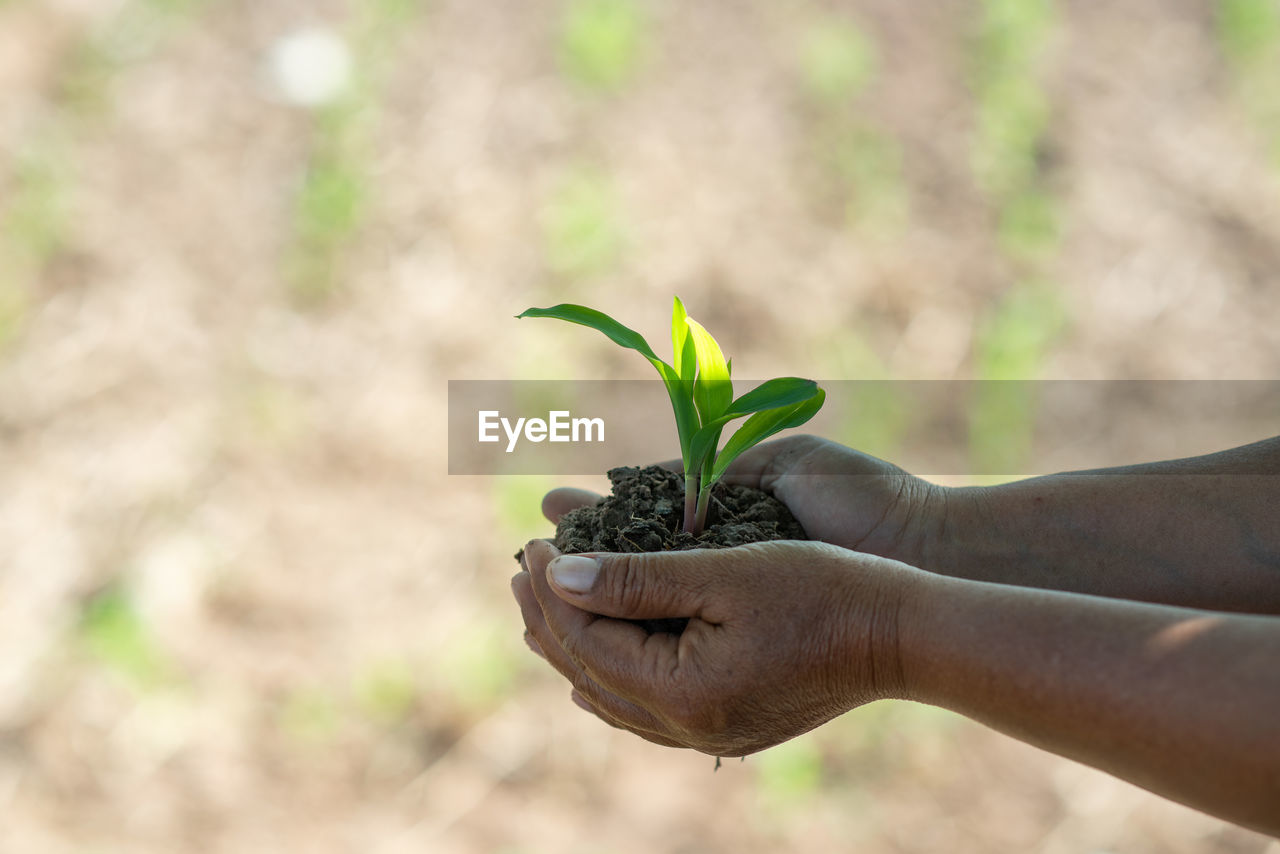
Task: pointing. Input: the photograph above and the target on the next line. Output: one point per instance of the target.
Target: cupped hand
(782, 637)
(839, 495)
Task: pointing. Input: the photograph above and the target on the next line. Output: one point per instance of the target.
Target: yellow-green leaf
(679, 391)
(684, 353)
(713, 390)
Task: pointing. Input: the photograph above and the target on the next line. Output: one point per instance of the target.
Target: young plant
(701, 390)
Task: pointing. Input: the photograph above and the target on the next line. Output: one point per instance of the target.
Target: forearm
(1183, 703)
(1199, 533)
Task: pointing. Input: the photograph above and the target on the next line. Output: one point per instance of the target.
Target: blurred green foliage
(135, 31)
(873, 418)
(1012, 111)
(836, 61)
(387, 692)
(602, 42)
(863, 737)
(312, 715)
(35, 216)
(1010, 348)
(869, 414)
(173, 7)
(14, 305)
(868, 164)
(1012, 341)
(385, 16)
(331, 201)
(112, 631)
(336, 193)
(582, 230)
(1014, 338)
(33, 228)
(1030, 228)
(519, 506)
(1248, 30)
(84, 82)
(789, 774)
(384, 694)
(478, 668)
(1249, 36)
(1011, 35)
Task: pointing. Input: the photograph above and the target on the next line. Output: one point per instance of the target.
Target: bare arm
(1183, 703)
(785, 636)
(1201, 532)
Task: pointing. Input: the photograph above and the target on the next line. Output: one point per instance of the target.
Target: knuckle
(628, 585)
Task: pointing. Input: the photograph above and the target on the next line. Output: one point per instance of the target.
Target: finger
(537, 629)
(621, 656)
(535, 625)
(560, 501)
(620, 711)
(587, 706)
(645, 585)
(533, 645)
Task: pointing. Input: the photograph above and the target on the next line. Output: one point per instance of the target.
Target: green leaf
(685, 355)
(680, 391)
(599, 321)
(713, 390)
(774, 394)
(762, 425)
(783, 391)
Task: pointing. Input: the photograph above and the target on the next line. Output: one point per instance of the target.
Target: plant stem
(690, 503)
(704, 503)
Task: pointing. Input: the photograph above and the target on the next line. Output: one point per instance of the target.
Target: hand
(839, 495)
(782, 637)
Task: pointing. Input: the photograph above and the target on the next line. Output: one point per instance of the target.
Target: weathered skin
(1124, 619)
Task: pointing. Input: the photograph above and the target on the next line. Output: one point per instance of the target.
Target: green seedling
(701, 390)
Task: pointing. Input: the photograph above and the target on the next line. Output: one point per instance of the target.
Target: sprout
(701, 391)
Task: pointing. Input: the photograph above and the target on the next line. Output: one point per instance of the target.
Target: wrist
(887, 599)
(959, 530)
(922, 639)
(910, 530)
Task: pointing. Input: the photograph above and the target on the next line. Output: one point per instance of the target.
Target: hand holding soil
(1133, 623)
(838, 495)
(782, 637)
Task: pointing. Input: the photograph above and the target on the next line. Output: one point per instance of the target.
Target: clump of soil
(645, 512)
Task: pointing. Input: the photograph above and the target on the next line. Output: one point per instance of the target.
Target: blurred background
(244, 244)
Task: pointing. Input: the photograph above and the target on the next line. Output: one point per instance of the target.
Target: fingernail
(574, 573)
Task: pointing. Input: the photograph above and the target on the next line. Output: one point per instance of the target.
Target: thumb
(643, 586)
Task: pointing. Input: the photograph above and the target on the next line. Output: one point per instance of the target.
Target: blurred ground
(246, 242)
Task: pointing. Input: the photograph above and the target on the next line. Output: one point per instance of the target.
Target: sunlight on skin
(1173, 638)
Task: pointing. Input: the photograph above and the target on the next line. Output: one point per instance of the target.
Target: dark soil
(645, 512)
